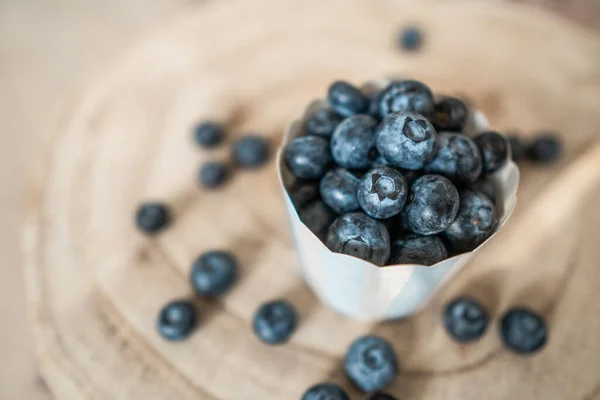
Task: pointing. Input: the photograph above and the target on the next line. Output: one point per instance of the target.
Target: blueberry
(465, 320)
(208, 134)
(406, 96)
(213, 174)
(373, 109)
(433, 207)
(518, 147)
(302, 192)
(485, 186)
(308, 157)
(416, 249)
(546, 148)
(152, 218)
(371, 363)
(353, 142)
(325, 391)
(382, 396)
(380, 162)
(176, 320)
(457, 158)
(251, 151)
(475, 222)
(317, 217)
(359, 235)
(346, 100)
(338, 190)
(406, 140)
(213, 273)
(411, 38)
(450, 114)
(275, 321)
(494, 151)
(523, 331)
(382, 192)
(323, 123)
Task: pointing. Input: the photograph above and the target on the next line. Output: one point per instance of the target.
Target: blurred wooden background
(46, 48)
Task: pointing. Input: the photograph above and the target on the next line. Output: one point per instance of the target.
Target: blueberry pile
(392, 177)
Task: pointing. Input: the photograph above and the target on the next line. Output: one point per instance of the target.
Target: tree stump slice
(96, 285)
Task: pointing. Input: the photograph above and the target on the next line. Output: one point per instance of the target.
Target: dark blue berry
(209, 134)
(485, 186)
(358, 235)
(302, 192)
(317, 217)
(450, 114)
(338, 191)
(406, 140)
(371, 363)
(346, 100)
(406, 96)
(518, 147)
(433, 205)
(382, 396)
(523, 331)
(152, 218)
(251, 151)
(373, 109)
(411, 38)
(308, 157)
(465, 320)
(325, 391)
(380, 162)
(353, 142)
(275, 321)
(546, 148)
(382, 192)
(494, 151)
(475, 222)
(416, 249)
(176, 320)
(213, 273)
(457, 158)
(213, 174)
(323, 123)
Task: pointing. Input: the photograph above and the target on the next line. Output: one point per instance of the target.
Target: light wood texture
(96, 285)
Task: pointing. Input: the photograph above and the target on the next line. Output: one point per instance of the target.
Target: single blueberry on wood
(346, 100)
(518, 147)
(308, 157)
(213, 273)
(317, 216)
(411, 38)
(450, 114)
(338, 191)
(323, 122)
(457, 158)
(406, 96)
(152, 218)
(494, 151)
(213, 174)
(209, 134)
(353, 142)
(523, 331)
(382, 192)
(546, 148)
(251, 151)
(465, 320)
(176, 320)
(275, 321)
(416, 249)
(371, 363)
(325, 391)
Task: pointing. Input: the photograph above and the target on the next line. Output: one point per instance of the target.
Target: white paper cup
(365, 291)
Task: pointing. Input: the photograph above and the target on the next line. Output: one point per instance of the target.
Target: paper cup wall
(363, 290)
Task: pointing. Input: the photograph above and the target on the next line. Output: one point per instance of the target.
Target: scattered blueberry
(251, 151)
(411, 38)
(485, 186)
(475, 222)
(523, 331)
(308, 157)
(416, 249)
(382, 192)
(275, 321)
(406, 96)
(518, 147)
(353, 142)
(546, 148)
(346, 99)
(302, 192)
(317, 217)
(494, 151)
(359, 235)
(209, 134)
(457, 158)
(382, 396)
(433, 205)
(323, 123)
(338, 191)
(213, 174)
(213, 273)
(371, 363)
(325, 391)
(465, 320)
(450, 115)
(176, 320)
(152, 218)
(406, 140)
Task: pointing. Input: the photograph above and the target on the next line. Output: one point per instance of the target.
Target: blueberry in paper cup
(353, 272)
